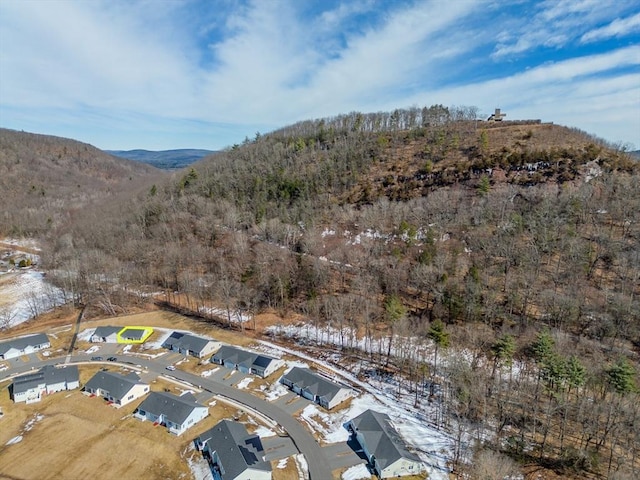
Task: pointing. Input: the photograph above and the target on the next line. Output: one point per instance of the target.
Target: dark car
(112, 359)
(96, 359)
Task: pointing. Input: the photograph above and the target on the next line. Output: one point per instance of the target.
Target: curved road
(319, 468)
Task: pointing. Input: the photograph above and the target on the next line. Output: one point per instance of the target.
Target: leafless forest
(492, 268)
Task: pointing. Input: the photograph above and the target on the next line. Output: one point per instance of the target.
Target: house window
(130, 397)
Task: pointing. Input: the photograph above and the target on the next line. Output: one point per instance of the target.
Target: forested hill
(165, 159)
(44, 179)
(508, 241)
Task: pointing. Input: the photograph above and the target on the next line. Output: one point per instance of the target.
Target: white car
(170, 368)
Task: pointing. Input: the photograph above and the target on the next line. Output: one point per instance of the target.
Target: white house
(177, 413)
(383, 446)
(49, 379)
(234, 454)
(106, 334)
(117, 389)
(246, 361)
(23, 346)
(188, 344)
(315, 387)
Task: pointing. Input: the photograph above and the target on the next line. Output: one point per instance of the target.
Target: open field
(77, 436)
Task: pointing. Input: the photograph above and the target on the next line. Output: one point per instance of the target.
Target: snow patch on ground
(276, 390)
(282, 463)
(14, 440)
(92, 349)
(235, 317)
(244, 383)
(24, 294)
(208, 373)
(356, 472)
(198, 465)
(263, 431)
(303, 466)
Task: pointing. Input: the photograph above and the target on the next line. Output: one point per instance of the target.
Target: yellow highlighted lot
(134, 334)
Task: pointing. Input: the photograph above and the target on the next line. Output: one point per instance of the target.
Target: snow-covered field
(25, 294)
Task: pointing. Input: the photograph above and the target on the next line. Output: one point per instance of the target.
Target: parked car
(96, 359)
(170, 368)
(112, 359)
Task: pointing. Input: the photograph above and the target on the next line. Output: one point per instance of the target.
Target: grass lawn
(76, 436)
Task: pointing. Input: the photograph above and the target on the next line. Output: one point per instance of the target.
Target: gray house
(188, 344)
(23, 346)
(315, 387)
(385, 449)
(49, 379)
(117, 389)
(177, 413)
(107, 334)
(233, 453)
(246, 361)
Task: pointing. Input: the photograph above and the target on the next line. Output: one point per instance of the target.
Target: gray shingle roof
(48, 375)
(314, 383)
(106, 331)
(381, 438)
(23, 342)
(174, 408)
(242, 357)
(117, 385)
(186, 341)
(134, 333)
(236, 449)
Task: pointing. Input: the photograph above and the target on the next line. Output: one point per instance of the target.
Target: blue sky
(162, 74)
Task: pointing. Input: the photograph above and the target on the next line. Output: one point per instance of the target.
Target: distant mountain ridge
(165, 159)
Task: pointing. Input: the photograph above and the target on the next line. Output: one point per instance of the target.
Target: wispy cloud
(214, 71)
(618, 28)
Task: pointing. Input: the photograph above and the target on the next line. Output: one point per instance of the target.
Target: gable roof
(117, 385)
(243, 357)
(381, 438)
(133, 333)
(106, 331)
(23, 342)
(47, 375)
(236, 448)
(186, 341)
(175, 408)
(312, 382)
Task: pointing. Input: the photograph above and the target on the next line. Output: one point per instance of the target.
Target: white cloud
(143, 65)
(618, 28)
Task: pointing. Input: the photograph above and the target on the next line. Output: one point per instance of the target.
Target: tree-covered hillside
(45, 179)
(516, 242)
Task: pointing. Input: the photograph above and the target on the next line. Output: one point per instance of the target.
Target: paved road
(319, 465)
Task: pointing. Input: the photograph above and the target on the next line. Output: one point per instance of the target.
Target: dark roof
(117, 385)
(175, 408)
(186, 341)
(314, 383)
(106, 331)
(133, 333)
(47, 375)
(242, 357)
(381, 438)
(236, 449)
(23, 342)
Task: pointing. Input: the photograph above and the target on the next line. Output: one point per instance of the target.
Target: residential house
(233, 453)
(117, 389)
(383, 446)
(189, 344)
(106, 334)
(23, 346)
(315, 387)
(177, 413)
(246, 361)
(31, 387)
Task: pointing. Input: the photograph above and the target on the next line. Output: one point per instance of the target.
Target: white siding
(401, 467)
